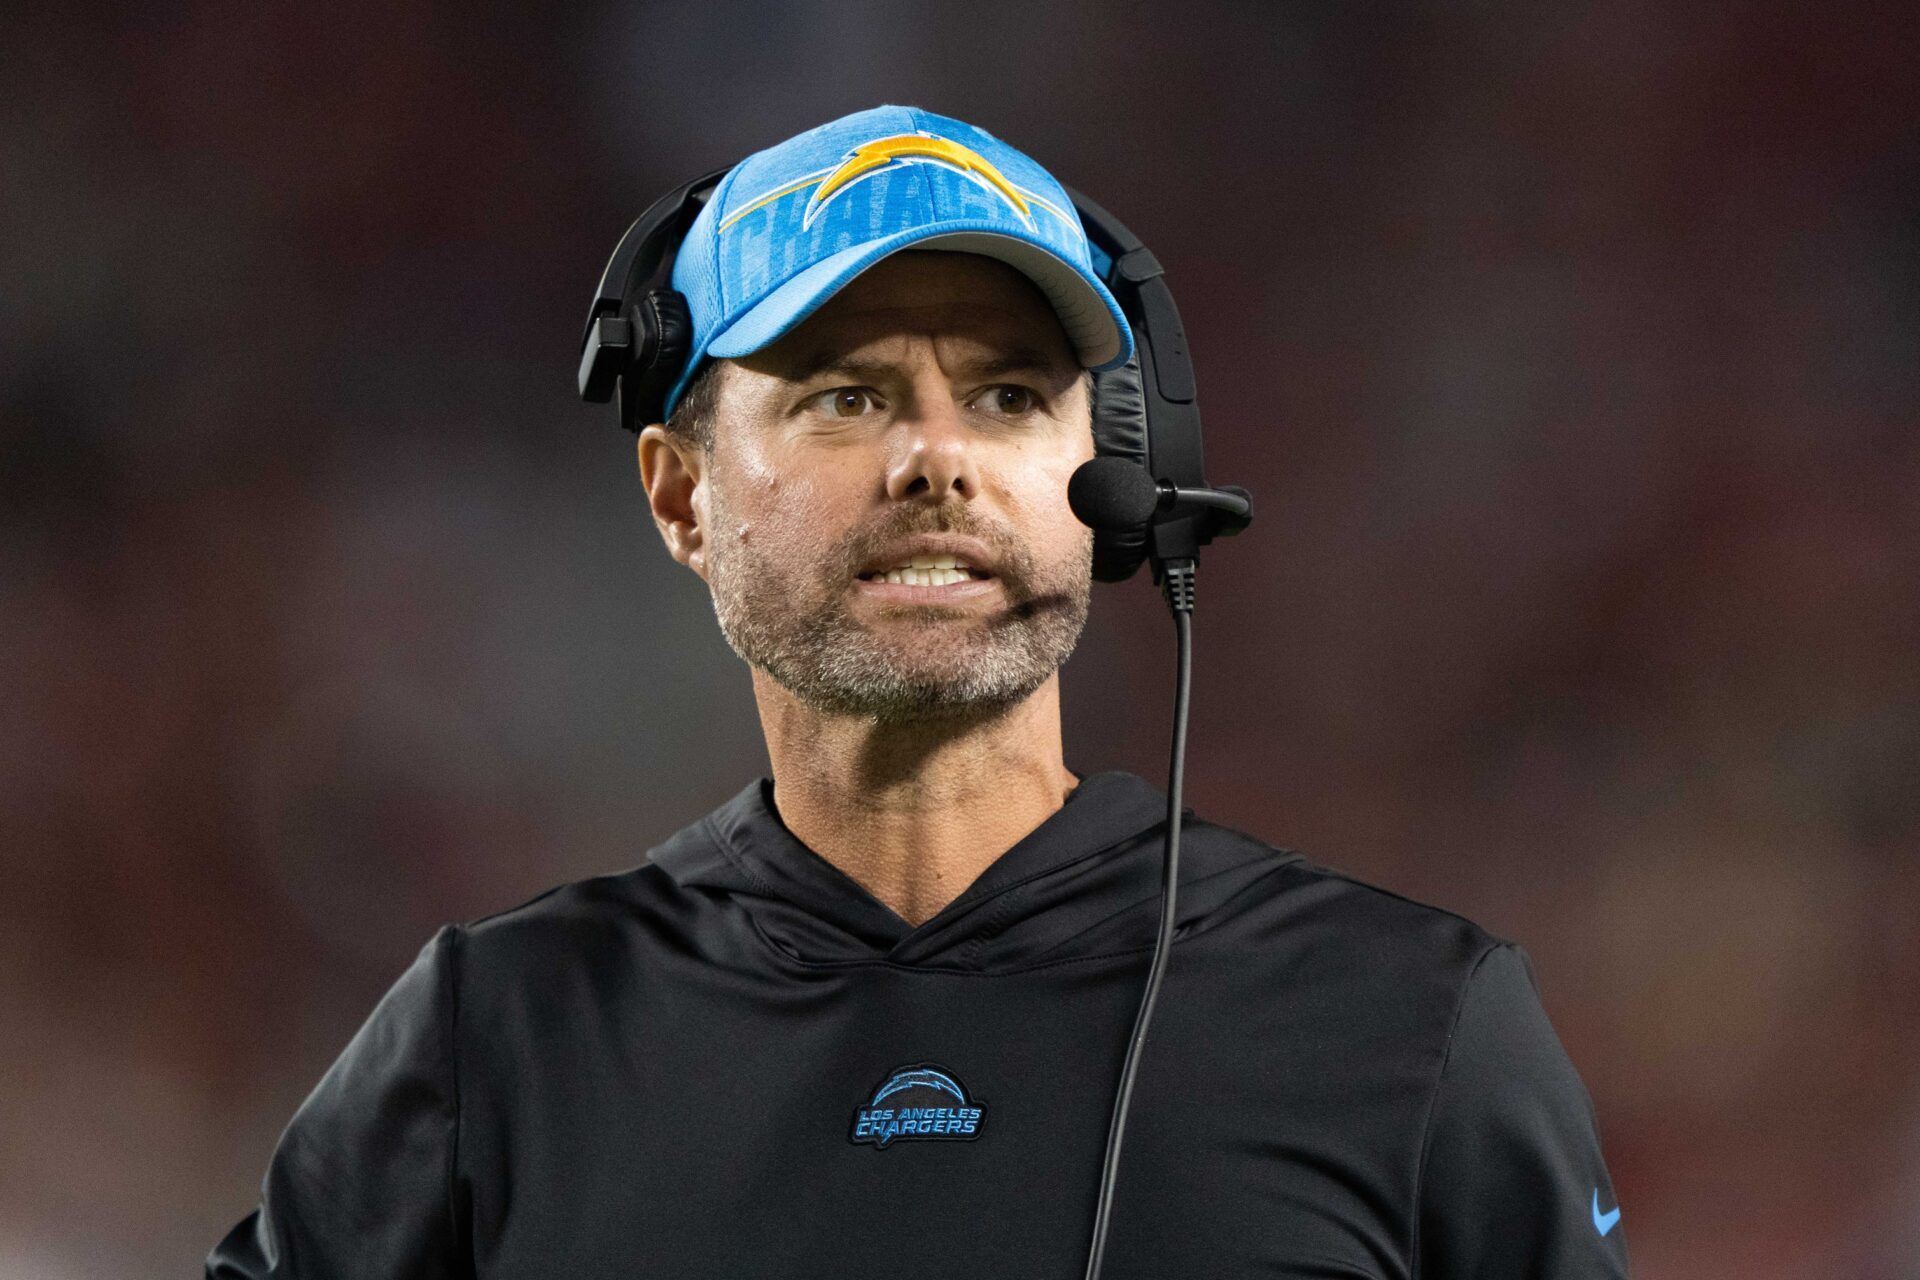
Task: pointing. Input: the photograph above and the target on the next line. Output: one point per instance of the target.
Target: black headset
(639, 332)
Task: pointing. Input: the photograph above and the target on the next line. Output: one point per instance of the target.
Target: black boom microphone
(1119, 496)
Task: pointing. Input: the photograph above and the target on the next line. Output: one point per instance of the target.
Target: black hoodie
(734, 1062)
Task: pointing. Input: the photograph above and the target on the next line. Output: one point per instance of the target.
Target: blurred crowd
(1568, 350)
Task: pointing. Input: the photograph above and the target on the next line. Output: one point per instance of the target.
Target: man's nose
(935, 450)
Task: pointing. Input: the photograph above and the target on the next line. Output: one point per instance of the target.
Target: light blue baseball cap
(788, 226)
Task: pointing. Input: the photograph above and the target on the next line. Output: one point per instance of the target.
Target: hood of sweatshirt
(1085, 882)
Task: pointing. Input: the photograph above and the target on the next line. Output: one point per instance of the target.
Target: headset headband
(611, 350)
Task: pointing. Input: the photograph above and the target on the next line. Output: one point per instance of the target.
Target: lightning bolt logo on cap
(914, 148)
(869, 158)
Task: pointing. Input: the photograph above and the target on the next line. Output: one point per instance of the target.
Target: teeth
(929, 577)
(928, 571)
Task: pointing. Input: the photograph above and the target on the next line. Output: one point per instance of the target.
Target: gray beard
(934, 665)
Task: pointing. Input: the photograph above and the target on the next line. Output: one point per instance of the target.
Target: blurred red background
(1569, 350)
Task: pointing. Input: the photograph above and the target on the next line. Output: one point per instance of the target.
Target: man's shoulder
(577, 913)
(592, 917)
(1351, 918)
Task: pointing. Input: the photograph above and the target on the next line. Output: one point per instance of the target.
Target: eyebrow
(1011, 360)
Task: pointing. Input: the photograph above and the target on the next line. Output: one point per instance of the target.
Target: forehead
(973, 305)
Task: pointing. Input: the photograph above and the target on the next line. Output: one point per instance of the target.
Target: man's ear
(673, 472)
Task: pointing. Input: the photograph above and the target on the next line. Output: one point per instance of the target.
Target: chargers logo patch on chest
(922, 1101)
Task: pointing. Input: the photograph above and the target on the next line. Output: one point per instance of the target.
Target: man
(866, 1019)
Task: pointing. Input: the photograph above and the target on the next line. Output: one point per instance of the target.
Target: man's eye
(1009, 398)
(844, 402)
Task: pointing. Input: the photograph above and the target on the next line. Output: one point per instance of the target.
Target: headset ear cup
(663, 331)
(1120, 431)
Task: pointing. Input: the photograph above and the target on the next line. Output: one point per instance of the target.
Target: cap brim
(1092, 319)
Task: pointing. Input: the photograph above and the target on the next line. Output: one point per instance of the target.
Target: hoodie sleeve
(360, 1182)
(1513, 1185)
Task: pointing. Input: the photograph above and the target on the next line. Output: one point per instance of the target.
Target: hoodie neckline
(762, 855)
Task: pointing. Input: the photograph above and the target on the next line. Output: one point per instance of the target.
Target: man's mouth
(928, 571)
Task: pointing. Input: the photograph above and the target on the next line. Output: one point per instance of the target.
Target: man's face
(936, 394)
